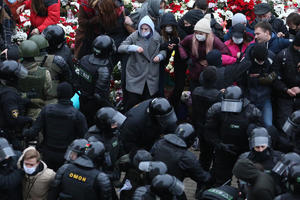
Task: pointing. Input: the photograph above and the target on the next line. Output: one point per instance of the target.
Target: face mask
(28, 170)
(265, 19)
(259, 62)
(200, 38)
(261, 156)
(145, 34)
(237, 40)
(161, 11)
(12, 1)
(169, 29)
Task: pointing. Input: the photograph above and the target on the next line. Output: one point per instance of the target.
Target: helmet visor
(230, 105)
(118, 119)
(289, 127)
(177, 187)
(259, 141)
(5, 153)
(167, 121)
(280, 168)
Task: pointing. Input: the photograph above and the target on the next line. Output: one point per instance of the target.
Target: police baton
(226, 183)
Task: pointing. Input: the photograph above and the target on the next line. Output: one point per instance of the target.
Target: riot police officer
(164, 186)
(38, 79)
(55, 36)
(146, 122)
(223, 192)
(10, 176)
(226, 129)
(81, 179)
(292, 129)
(59, 69)
(60, 124)
(12, 105)
(75, 149)
(261, 150)
(293, 184)
(106, 130)
(93, 74)
(182, 163)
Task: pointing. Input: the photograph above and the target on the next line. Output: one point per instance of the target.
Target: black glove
(229, 148)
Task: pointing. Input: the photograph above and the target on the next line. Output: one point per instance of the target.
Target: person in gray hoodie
(142, 69)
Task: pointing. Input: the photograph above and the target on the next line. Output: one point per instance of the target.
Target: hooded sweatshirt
(262, 185)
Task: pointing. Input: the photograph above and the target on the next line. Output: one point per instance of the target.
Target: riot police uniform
(226, 128)
(75, 149)
(60, 124)
(292, 129)
(106, 130)
(93, 77)
(146, 122)
(81, 180)
(12, 106)
(59, 69)
(267, 158)
(182, 163)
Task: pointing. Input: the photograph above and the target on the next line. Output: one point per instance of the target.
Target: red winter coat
(42, 22)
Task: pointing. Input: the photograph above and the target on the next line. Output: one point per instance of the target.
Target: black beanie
(214, 58)
(209, 76)
(259, 52)
(13, 53)
(297, 39)
(64, 91)
(193, 16)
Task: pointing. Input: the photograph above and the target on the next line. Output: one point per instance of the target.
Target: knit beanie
(259, 52)
(203, 25)
(209, 76)
(238, 18)
(297, 39)
(64, 91)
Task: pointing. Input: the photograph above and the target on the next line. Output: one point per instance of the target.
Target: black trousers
(133, 98)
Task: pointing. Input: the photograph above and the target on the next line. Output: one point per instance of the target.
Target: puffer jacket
(36, 187)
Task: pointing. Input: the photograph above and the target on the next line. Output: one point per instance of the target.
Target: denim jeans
(266, 109)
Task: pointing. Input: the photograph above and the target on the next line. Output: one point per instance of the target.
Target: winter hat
(168, 19)
(238, 18)
(259, 52)
(209, 76)
(238, 30)
(262, 8)
(193, 16)
(203, 25)
(64, 91)
(13, 53)
(297, 39)
(214, 58)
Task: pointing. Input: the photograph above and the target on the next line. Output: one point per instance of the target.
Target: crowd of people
(61, 136)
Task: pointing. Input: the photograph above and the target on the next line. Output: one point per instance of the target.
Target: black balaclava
(214, 58)
(64, 91)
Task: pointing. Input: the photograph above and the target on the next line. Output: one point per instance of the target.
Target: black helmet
(103, 46)
(232, 100)
(55, 36)
(292, 124)
(161, 110)
(5, 150)
(11, 70)
(154, 168)
(166, 183)
(77, 146)
(143, 193)
(186, 132)
(259, 137)
(94, 150)
(106, 117)
(294, 179)
(220, 193)
(141, 155)
(286, 161)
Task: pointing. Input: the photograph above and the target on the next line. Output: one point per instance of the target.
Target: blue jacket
(276, 44)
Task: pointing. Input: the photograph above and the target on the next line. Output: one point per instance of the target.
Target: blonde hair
(32, 153)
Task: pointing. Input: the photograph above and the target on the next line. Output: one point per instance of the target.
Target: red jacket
(42, 22)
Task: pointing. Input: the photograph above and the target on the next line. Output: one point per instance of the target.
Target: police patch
(15, 113)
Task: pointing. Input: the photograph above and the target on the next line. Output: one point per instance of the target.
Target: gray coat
(140, 68)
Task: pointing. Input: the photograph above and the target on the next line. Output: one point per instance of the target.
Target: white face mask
(200, 38)
(169, 29)
(28, 170)
(145, 34)
(237, 40)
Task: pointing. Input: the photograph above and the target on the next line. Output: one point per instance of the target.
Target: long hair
(39, 7)
(208, 44)
(107, 13)
(166, 36)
